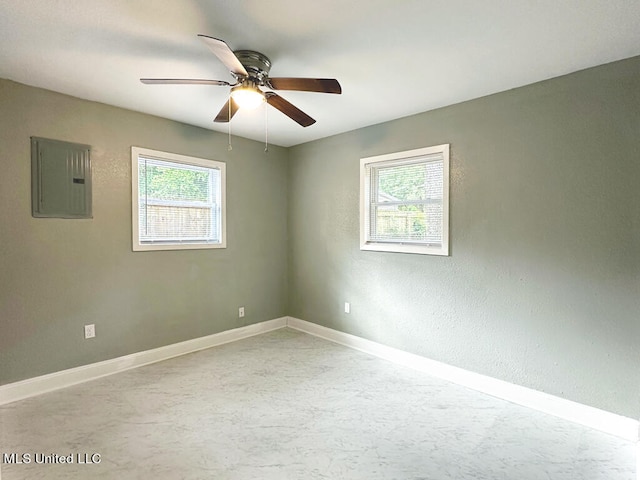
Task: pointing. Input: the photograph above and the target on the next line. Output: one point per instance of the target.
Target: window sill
(406, 248)
(176, 246)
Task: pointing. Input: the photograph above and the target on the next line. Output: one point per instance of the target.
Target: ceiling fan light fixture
(247, 97)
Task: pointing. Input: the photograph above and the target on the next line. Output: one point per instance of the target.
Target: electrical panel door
(61, 179)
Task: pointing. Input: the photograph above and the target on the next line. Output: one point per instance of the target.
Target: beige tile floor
(286, 405)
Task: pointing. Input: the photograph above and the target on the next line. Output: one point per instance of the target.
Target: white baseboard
(601, 420)
(65, 378)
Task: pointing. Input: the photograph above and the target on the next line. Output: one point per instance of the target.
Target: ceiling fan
(251, 72)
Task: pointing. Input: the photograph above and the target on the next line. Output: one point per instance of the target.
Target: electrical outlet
(347, 307)
(241, 312)
(89, 331)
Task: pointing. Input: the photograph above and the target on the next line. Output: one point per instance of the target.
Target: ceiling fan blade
(227, 112)
(221, 50)
(323, 85)
(290, 110)
(182, 81)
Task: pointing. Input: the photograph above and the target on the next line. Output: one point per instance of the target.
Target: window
(178, 201)
(404, 201)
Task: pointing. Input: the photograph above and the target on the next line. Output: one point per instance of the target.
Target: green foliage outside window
(403, 183)
(164, 183)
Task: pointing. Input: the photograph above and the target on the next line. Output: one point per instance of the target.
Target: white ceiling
(393, 58)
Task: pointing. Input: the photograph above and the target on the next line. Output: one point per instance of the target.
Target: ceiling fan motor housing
(256, 64)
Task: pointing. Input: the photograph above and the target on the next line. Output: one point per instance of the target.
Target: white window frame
(137, 152)
(365, 203)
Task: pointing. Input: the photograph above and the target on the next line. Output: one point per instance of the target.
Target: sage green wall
(57, 275)
(542, 287)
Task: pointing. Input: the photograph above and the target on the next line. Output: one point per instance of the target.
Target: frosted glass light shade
(247, 97)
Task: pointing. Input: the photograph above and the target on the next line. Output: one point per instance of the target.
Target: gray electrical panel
(60, 179)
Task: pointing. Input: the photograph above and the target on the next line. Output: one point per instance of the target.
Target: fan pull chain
(266, 128)
(229, 148)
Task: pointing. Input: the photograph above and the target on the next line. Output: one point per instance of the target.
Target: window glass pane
(177, 202)
(164, 222)
(411, 223)
(417, 181)
(172, 181)
(402, 182)
(407, 203)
